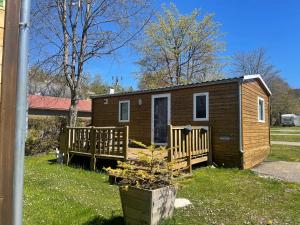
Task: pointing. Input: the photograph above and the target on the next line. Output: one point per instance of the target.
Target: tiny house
(235, 109)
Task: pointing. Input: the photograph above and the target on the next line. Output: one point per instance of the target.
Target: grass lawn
(285, 153)
(290, 138)
(57, 194)
(285, 128)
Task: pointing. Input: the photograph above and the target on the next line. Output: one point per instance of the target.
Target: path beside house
(288, 171)
(285, 143)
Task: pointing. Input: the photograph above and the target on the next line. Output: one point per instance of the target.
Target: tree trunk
(73, 111)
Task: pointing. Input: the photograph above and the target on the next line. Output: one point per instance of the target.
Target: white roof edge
(258, 76)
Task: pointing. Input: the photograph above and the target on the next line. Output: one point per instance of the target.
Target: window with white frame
(261, 109)
(124, 111)
(201, 106)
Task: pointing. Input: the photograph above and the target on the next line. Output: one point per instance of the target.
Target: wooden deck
(95, 142)
(187, 145)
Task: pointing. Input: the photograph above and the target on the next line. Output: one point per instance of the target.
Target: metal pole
(21, 112)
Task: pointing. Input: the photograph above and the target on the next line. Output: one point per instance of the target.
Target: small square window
(201, 107)
(124, 111)
(261, 109)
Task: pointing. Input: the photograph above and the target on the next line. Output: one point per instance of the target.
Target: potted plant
(146, 188)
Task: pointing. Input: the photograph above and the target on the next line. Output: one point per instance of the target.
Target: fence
(189, 145)
(95, 142)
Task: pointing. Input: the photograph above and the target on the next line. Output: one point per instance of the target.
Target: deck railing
(189, 145)
(95, 142)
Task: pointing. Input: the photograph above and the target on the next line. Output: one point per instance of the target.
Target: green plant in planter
(147, 187)
(149, 171)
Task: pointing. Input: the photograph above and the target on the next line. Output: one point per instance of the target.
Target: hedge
(43, 133)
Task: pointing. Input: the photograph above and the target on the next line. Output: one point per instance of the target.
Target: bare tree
(69, 33)
(254, 62)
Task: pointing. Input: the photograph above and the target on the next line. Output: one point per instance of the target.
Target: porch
(187, 145)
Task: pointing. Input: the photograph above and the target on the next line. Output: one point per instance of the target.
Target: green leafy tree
(179, 49)
(97, 86)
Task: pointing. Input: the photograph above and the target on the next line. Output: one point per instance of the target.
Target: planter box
(147, 207)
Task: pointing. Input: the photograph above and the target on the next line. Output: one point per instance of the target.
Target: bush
(149, 171)
(43, 133)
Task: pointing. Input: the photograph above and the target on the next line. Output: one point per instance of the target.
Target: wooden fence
(95, 142)
(189, 145)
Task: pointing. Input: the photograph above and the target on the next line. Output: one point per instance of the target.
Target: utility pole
(13, 110)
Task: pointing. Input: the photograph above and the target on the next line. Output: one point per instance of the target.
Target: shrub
(149, 171)
(43, 133)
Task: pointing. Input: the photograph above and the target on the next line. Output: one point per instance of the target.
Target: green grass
(285, 128)
(289, 138)
(285, 153)
(57, 194)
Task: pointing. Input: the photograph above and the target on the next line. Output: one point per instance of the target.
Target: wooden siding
(8, 108)
(223, 117)
(2, 18)
(256, 136)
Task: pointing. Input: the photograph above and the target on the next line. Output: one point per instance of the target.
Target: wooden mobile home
(235, 109)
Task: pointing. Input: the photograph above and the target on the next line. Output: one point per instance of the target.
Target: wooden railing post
(66, 135)
(93, 148)
(170, 143)
(62, 140)
(126, 141)
(209, 156)
(189, 147)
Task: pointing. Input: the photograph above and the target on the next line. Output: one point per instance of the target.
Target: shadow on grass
(52, 161)
(98, 220)
(83, 162)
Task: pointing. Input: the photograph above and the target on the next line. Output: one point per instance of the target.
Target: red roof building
(55, 106)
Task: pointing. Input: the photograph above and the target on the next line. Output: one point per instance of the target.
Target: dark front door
(160, 120)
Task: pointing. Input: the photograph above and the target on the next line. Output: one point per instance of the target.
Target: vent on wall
(225, 138)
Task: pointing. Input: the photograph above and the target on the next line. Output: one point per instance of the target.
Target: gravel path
(288, 171)
(285, 143)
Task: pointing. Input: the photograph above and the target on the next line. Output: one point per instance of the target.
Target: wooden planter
(147, 207)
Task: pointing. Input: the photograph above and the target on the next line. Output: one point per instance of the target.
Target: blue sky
(247, 24)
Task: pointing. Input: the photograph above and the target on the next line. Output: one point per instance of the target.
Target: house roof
(182, 86)
(257, 76)
(55, 103)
